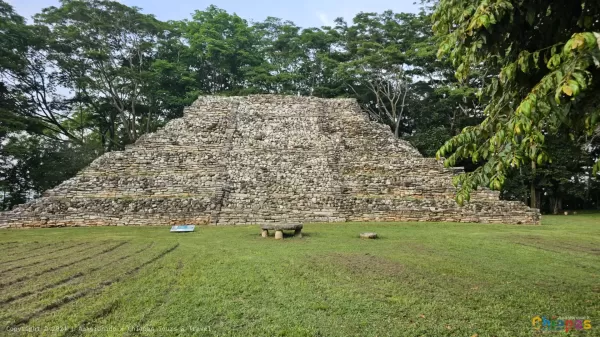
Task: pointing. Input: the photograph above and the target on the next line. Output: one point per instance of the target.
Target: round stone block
(278, 235)
(280, 227)
(368, 235)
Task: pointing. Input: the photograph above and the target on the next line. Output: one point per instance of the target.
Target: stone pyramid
(263, 158)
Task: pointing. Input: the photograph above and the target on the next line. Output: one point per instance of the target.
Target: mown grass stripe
(70, 278)
(44, 253)
(24, 278)
(9, 245)
(90, 322)
(67, 299)
(48, 259)
(12, 253)
(154, 259)
(46, 287)
(163, 299)
(546, 249)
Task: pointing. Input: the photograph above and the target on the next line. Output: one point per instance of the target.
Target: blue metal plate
(184, 228)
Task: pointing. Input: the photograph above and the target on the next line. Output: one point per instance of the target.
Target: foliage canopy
(541, 59)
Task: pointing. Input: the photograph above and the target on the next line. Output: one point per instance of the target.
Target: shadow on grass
(287, 235)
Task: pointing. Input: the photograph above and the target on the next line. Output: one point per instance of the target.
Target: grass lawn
(418, 279)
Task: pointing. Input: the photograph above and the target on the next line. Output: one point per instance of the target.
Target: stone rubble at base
(262, 159)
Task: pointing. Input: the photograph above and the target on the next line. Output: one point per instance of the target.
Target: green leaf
(540, 159)
(497, 185)
(530, 17)
(460, 200)
(554, 62)
(536, 59)
(567, 90)
(525, 108)
(574, 85)
(577, 42)
(587, 22)
(484, 20)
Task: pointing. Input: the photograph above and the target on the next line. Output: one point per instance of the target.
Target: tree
(103, 51)
(29, 99)
(562, 183)
(375, 69)
(96, 51)
(32, 164)
(543, 58)
(438, 105)
(389, 87)
(224, 48)
(284, 55)
(297, 61)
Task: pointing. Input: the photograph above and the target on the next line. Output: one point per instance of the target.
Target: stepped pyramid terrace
(262, 159)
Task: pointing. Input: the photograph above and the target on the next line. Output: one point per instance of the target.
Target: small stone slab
(281, 227)
(368, 235)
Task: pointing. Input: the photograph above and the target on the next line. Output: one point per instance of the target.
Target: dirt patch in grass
(366, 264)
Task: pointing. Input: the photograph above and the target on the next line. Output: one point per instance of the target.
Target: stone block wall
(263, 158)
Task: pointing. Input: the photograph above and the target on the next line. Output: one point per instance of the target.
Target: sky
(304, 13)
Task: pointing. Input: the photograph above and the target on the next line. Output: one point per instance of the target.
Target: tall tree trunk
(112, 133)
(397, 127)
(560, 204)
(588, 189)
(532, 192)
(556, 205)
